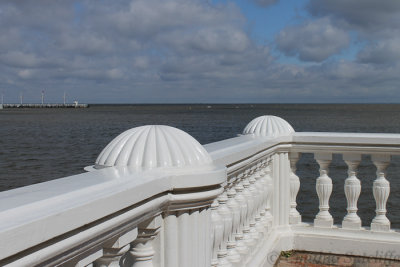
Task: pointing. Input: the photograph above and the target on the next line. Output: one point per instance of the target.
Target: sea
(38, 145)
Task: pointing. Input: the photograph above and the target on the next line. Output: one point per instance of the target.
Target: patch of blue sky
(78, 12)
(264, 23)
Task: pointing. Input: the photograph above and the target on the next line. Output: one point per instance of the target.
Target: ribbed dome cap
(269, 126)
(153, 146)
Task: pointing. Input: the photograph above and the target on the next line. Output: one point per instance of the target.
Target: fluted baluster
(294, 215)
(324, 190)
(114, 250)
(381, 190)
(233, 254)
(217, 233)
(241, 200)
(352, 189)
(142, 251)
(226, 215)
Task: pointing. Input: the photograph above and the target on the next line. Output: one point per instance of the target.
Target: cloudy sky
(218, 51)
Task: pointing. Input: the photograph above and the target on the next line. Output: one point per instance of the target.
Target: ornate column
(294, 215)
(226, 216)
(262, 187)
(253, 215)
(217, 232)
(268, 197)
(352, 189)
(247, 238)
(381, 190)
(241, 200)
(260, 209)
(142, 251)
(115, 249)
(324, 190)
(233, 255)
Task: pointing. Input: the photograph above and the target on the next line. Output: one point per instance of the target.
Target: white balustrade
(241, 247)
(324, 190)
(233, 254)
(269, 193)
(217, 233)
(142, 250)
(295, 216)
(381, 190)
(156, 197)
(115, 249)
(352, 189)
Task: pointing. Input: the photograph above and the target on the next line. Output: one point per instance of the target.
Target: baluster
(217, 233)
(260, 211)
(381, 190)
(324, 190)
(115, 249)
(268, 197)
(233, 255)
(253, 215)
(247, 238)
(142, 251)
(241, 200)
(262, 183)
(294, 215)
(226, 215)
(352, 189)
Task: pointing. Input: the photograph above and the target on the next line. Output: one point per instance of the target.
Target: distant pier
(73, 105)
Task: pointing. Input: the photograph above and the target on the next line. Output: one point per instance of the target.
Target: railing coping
(52, 208)
(347, 138)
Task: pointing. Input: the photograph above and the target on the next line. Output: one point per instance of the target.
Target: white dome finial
(268, 126)
(153, 146)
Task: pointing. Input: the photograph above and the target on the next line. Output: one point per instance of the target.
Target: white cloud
(314, 40)
(25, 74)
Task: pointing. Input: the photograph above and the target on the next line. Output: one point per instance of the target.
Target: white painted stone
(324, 190)
(352, 189)
(295, 216)
(381, 191)
(153, 146)
(268, 126)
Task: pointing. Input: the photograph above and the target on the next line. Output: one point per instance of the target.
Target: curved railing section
(156, 197)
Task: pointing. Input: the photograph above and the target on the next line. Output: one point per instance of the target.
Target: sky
(199, 51)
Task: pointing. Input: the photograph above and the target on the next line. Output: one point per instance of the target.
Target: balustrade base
(295, 219)
(323, 223)
(378, 227)
(351, 225)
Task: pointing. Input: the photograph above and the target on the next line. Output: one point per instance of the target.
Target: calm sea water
(38, 145)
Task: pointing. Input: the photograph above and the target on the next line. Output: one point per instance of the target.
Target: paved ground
(307, 259)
